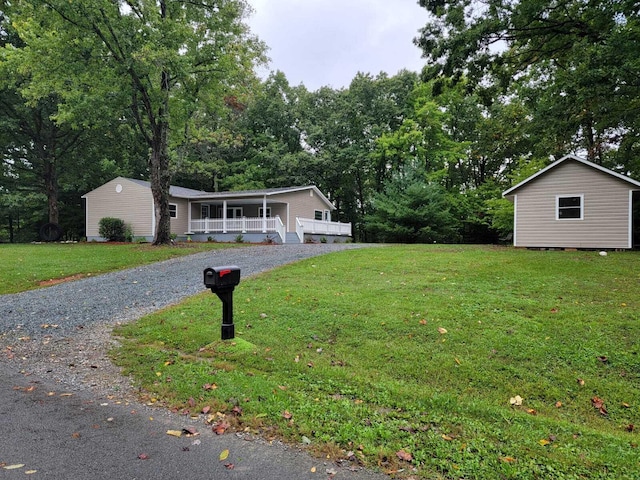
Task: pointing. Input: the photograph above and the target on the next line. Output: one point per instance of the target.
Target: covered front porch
(260, 220)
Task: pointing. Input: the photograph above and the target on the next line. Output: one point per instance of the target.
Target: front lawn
(29, 266)
(425, 361)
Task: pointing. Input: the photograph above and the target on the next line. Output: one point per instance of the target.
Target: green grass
(26, 266)
(353, 346)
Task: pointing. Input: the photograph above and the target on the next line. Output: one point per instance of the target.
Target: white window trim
(175, 205)
(579, 195)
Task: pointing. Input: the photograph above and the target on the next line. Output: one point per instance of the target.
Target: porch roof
(245, 196)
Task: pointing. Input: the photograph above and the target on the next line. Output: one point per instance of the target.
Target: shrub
(113, 229)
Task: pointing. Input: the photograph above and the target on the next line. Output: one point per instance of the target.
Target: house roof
(566, 158)
(191, 194)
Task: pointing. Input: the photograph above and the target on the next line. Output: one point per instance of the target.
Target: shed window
(173, 210)
(569, 207)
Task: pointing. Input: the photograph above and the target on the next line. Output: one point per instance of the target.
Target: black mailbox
(221, 278)
(222, 281)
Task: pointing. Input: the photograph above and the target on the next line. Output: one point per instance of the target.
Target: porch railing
(240, 225)
(321, 227)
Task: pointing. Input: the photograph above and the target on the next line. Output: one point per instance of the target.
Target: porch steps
(292, 237)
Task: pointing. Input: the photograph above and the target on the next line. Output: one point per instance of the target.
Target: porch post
(224, 216)
(264, 214)
(189, 215)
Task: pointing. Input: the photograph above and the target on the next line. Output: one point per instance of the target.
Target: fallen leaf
(224, 454)
(30, 472)
(508, 459)
(447, 437)
(331, 471)
(404, 455)
(190, 431)
(14, 467)
(282, 387)
(531, 411)
(603, 358)
(220, 427)
(313, 469)
(206, 409)
(174, 433)
(286, 414)
(626, 405)
(581, 382)
(143, 456)
(75, 435)
(630, 427)
(457, 361)
(229, 466)
(442, 330)
(598, 404)
(558, 404)
(544, 442)
(423, 322)
(237, 411)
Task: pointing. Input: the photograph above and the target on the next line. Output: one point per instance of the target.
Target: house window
(318, 215)
(204, 211)
(260, 211)
(173, 210)
(569, 207)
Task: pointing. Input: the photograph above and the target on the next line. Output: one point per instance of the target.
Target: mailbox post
(222, 281)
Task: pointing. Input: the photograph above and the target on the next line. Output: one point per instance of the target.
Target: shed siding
(133, 204)
(605, 209)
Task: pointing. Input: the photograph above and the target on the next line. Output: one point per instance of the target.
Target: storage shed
(574, 203)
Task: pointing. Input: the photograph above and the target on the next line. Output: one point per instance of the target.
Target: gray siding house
(279, 215)
(574, 203)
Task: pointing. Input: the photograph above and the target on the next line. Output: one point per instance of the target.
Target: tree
(160, 60)
(411, 209)
(573, 63)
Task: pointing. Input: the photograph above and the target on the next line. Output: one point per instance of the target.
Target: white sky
(326, 42)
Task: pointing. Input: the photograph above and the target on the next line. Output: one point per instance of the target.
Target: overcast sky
(326, 42)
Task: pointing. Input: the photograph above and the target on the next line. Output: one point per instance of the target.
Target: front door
(232, 212)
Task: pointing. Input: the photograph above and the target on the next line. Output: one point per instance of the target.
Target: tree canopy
(164, 90)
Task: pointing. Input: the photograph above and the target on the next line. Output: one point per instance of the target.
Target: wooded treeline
(168, 90)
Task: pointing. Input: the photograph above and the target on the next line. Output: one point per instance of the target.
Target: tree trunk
(159, 161)
(51, 189)
(160, 183)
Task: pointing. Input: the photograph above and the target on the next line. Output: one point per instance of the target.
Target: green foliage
(419, 348)
(412, 210)
(113, 229)
(571, 65)
(164, 65)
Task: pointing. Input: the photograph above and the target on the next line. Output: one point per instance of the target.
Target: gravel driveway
(129, 294)
(63, 333)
